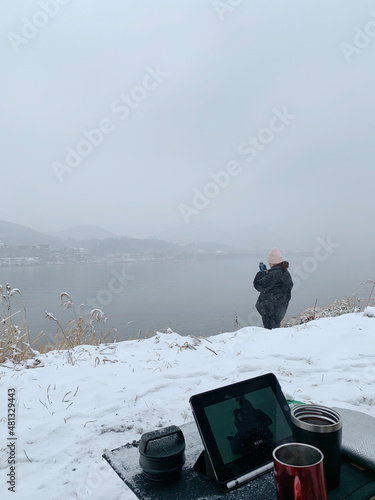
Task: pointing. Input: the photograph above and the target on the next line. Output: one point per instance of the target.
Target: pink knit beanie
(274, 257)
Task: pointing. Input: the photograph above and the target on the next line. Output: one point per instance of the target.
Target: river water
(192, 297)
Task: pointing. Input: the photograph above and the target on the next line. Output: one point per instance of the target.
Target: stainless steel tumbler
(321, 427)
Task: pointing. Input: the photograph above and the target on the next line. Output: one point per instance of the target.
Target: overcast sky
(279, 95)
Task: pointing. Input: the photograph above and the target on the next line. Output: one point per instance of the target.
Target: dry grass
(339, 307)
(15, 344)
(15, 338)
(147, 335)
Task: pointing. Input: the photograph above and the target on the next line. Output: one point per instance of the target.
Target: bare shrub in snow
(79, 330)
(339, 307)
(15, 337)
(15, 344)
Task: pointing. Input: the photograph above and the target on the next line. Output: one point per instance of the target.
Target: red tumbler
(299, 472)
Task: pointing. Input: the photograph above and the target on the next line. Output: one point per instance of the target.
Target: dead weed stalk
(15, 344)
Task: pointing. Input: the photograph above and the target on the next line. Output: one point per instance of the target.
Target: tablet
(240, 425)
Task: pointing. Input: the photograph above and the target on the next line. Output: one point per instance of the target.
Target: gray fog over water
(196, 297)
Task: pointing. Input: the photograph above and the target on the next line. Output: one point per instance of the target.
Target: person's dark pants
(274, 319)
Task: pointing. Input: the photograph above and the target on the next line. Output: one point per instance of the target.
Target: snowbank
(68, 415)
(369, 311)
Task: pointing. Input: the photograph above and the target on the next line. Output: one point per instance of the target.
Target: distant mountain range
(196, 237)
(199, 236)
(100, 242)
(15, 235)
(81, 233)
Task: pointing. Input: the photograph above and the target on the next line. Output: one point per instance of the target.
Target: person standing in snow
(275, 287)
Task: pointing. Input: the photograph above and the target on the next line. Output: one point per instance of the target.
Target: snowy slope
(68, 414)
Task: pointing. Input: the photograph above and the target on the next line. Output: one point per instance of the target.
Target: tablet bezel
(228, 473)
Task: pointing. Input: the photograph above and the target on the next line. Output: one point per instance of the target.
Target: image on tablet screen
(248, 426)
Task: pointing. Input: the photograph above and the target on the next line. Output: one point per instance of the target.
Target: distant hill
(81, 233)
(15, 234)
(155, 247)
(100, 242)
(248, 238)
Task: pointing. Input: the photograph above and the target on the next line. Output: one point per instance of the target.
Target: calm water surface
(196, 297)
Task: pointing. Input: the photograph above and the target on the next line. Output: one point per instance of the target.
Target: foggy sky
(181, 87)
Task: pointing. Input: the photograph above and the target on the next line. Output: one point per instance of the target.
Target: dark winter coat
(275, 291)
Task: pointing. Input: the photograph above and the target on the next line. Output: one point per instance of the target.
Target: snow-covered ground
(68, 414)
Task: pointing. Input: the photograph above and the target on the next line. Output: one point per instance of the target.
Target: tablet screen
(247, 424)
(241, 424)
